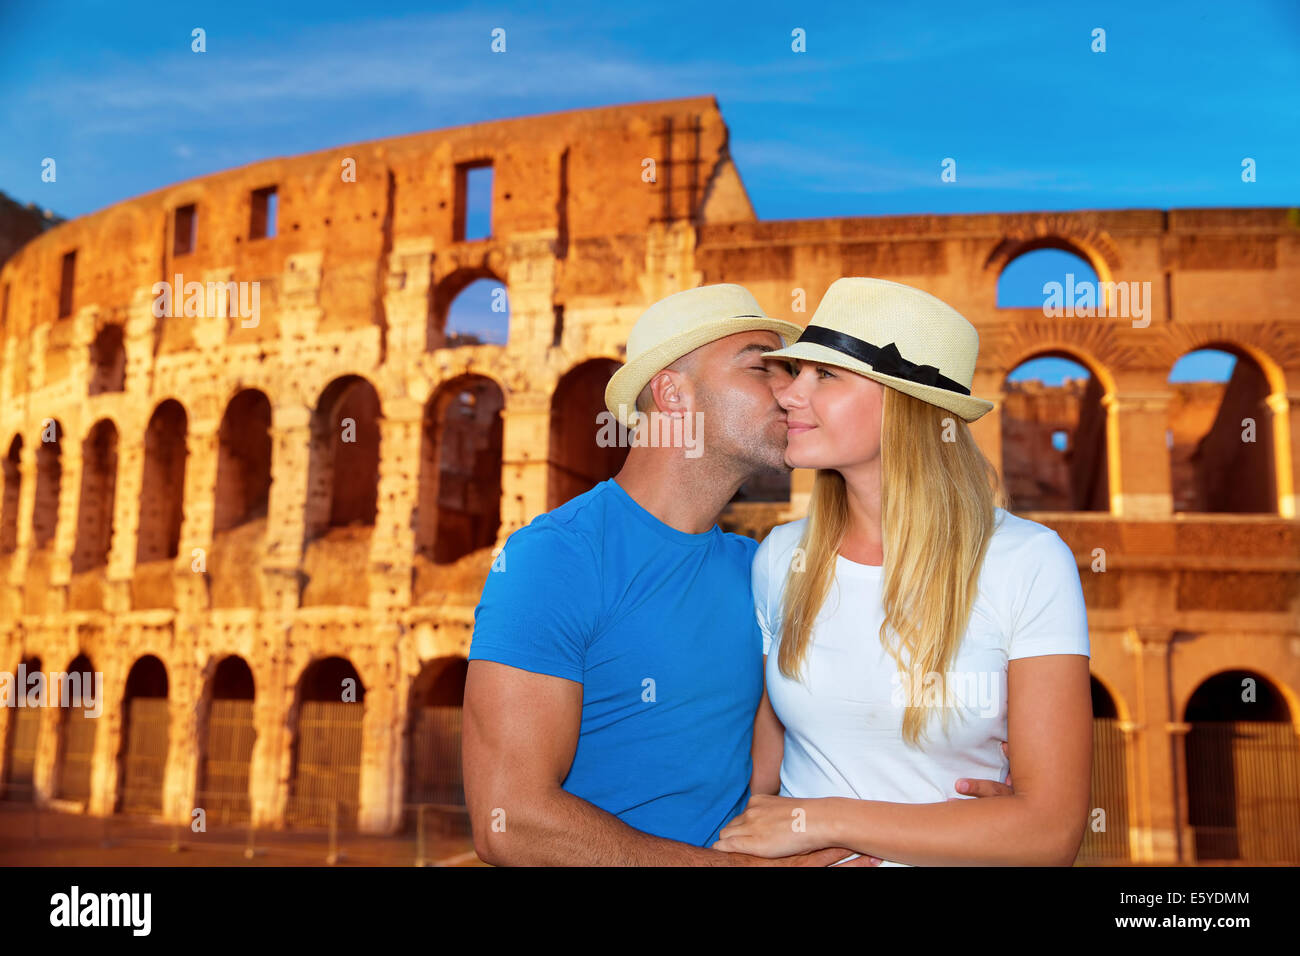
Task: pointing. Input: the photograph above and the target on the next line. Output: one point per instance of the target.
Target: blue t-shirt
(659, 628)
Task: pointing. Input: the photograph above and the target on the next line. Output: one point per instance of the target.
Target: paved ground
(49, 838)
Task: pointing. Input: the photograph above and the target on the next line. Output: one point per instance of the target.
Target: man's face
(735, 389)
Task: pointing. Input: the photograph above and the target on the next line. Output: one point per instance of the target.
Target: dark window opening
(66, 283)
(186, 228)
(557, 331)
(265, 203)
(473, 213)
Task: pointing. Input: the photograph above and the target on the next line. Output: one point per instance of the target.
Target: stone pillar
(1156, 820)
(526, 441)
(381, 790)
(108, 738)
(407, 295)
(987, 431)
(392, 545)
(200, 506)
(530, 285)
(126, 522)
(1132, 788)
(1177, 731)
(1137, 454)
(286, 509)
(180, 778)
(1286, 450)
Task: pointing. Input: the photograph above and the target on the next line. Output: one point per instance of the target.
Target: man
(616, 664)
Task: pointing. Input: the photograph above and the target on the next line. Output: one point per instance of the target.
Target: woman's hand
(774, 826)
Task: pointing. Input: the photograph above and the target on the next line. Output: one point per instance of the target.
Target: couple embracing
(898, 678)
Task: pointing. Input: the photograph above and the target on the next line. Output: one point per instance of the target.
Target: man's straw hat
(898, 336)
(681, 323)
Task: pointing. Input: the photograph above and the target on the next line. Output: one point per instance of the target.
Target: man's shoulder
(572, 530)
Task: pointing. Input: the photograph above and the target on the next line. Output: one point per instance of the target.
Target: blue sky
(858, 125)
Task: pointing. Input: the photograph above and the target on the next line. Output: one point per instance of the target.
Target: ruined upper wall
(575, 177)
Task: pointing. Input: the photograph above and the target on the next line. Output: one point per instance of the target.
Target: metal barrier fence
(145, 757)
(327, 766)
(1106, 838)
(1243, 784)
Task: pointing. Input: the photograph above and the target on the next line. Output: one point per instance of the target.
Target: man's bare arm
(520, 735)
(768, 748)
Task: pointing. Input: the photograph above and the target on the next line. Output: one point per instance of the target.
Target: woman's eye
(826, 372)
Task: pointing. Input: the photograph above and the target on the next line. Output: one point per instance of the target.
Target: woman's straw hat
(898, 336)
(681, 323)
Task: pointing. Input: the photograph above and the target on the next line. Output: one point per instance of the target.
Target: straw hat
(681, 323)
(898, 336)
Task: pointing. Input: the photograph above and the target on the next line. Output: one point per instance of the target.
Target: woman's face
(833, 416)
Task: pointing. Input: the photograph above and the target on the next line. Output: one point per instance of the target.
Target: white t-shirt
(843, 724)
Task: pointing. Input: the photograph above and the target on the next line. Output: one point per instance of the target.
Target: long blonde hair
(938, 494)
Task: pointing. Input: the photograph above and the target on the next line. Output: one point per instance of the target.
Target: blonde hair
(938, 494)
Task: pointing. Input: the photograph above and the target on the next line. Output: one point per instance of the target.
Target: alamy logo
(62, 689)
(1087, 299)
(102, 909)
(218, 299)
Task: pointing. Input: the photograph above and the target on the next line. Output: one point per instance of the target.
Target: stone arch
(76, 745)
(326, 747)
(1110, 785)
(146, 722)
(13, 481)
(1054, 438)
(342, 493)
(446, 290)
(99, 456)
(226, 734)
(459, 506)
(108, 360)
(433, 750)
(23, 737)
(1034, 260)
(1242, 759)
(1092, 246)
(575, 462)
(162, 490)
(241, 500)
(1213, 467)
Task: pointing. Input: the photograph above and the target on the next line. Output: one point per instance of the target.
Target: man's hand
(830, 856)
(985, 788)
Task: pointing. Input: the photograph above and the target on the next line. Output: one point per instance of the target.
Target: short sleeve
(760, 579)
(538, 609)
(1049, 613)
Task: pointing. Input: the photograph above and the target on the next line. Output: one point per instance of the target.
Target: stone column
(392, 545)
(126, 522)
(382, 790)
(196, 528)
(286, 512)
(1286, 450)
(526, 439)
(1177, 731)
(1137, 454)
(1156, 821)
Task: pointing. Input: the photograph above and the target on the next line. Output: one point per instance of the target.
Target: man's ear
(667, 388)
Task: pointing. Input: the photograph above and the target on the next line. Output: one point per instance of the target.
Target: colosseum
(231, 512)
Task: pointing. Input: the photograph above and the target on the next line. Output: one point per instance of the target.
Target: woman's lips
(794, 428)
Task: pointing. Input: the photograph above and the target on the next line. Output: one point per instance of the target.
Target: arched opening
(143, 758)
(242, 496)
(227, 743)
(342, 493)
(1243, 770)
(76, 730)
(459, 508)
(94, 516)
(1054, 436)
(1107, 834)
(24, 735)
(576, 461)
(108, 361)
(326, 776)
(45, 516)
(1220, 434)
(433, 774)
(468, 307)
(1026, 281)
(13, 483)
(478, 315)
(162, 502)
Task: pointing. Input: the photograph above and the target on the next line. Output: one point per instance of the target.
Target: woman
(915, 624)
